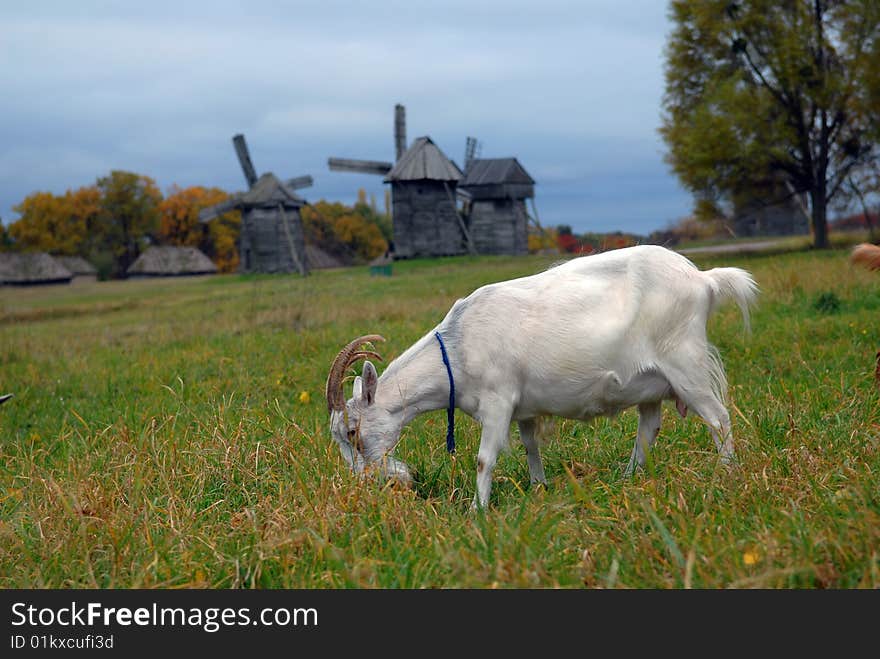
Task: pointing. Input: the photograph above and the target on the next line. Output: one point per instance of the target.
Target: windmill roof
(270, 191)
(77, 265)
(170, 261)
(424, 161)
(493, 171)
(31, 268)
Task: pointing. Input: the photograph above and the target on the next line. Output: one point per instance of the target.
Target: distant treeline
(111, 222)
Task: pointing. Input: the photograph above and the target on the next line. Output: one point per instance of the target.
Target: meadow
(173, 433)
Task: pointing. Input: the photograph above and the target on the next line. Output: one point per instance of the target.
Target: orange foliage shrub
(179, 224)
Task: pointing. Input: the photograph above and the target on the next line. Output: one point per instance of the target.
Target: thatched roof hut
(171, 262)
(31, 269)
(82, 270)
(318, 258)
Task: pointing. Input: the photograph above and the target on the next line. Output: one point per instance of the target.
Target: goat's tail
(867, 255)
(735, 284)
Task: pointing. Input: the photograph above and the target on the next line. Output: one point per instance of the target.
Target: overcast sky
(571, 88)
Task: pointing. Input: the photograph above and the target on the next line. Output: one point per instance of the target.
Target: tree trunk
(820, 216)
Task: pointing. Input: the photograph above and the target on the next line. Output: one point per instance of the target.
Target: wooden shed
(31, 269)
(425, 217)
(496, 190)
(171, 262)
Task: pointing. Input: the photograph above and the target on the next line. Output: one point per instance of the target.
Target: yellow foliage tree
(335, 227)
(85, 208)
(59, 224)
(542, 240)
(179, 224)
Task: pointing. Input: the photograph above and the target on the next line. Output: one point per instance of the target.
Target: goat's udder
(681, 407)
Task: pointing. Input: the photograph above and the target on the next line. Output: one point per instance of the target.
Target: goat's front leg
(533, 453)
(496, 430)
(649, 428)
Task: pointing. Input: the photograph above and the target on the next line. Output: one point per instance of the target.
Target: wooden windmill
(272, 239)
(424, 213)
(472, 149)
(497, 189)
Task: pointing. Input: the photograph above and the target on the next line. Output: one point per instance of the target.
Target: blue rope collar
(450, 411)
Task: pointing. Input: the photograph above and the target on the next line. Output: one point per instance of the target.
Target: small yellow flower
(750, 557)
(304, 397)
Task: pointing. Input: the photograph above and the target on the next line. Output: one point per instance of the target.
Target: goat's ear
(358, 389)
(371, 380)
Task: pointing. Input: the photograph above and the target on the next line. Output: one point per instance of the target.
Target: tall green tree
(772, 90)
(129, 217)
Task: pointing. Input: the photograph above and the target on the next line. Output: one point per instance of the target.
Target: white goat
(593, 336)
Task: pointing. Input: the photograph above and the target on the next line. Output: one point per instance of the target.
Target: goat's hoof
(730, 463)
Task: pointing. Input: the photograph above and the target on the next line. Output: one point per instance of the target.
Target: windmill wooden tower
(497, 189)
(272, 237)
(424, 212)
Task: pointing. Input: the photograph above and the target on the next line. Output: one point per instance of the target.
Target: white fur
(593, 336)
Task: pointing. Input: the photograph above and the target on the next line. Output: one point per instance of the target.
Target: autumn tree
(382, 221)
(762, 90)
(129, 216)
(40, 222)
(541, 239)
(59, 224)
(5, 239)
(340, 229)
(84, 206)
(179, 224)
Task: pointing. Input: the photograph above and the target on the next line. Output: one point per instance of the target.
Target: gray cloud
(571, 88)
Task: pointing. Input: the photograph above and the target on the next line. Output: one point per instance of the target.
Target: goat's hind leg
(533, 453)
(697, 393)
(649, 428)
(715, 415)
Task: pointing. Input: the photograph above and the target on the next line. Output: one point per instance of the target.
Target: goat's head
(364, 431)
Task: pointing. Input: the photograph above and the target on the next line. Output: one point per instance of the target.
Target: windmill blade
(244, 158)
(359, 166)
(470, 152)
(300, 182)
(399, 130)
(209, 213)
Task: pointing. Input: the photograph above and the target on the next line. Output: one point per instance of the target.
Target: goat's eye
(354, 438)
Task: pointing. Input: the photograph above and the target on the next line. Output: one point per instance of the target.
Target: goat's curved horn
(346, 357)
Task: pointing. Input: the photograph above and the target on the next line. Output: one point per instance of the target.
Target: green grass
(157, 439)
